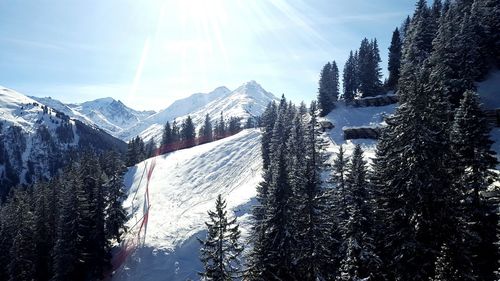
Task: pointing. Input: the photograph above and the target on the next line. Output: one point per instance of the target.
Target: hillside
(183, 187)
(106, 113)
(35, 139)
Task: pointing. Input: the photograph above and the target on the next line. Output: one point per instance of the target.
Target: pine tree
(360, 260)
(65, 252)
(473, 162)
(267, 120)
(206, 131)
(22, 252)
(221, 249)
(350, 78)
(220, 128)
(188, 133)
(394, 60)
(339, 179)
(166, 138)
(368, 68)
(116, 216)
(234, 125)
(176, 135)
(92, 243)
(310, 205)
(412, 179)
(45, 213)
(326, 89)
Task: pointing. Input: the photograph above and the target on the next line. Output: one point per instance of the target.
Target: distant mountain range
(248, 100)
(36, 138)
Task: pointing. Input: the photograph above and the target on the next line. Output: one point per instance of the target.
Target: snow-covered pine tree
(65, 252)
(221, 249)
(22, 252)
(277, 220)
(360, 260)
(92, 245)
(267, 121)
(116, 216)
(45, 212)
(394, 60)
(339, 179)
(256, 259)
(335, 81)
(412, 180)
(311, 205)
(473, 162)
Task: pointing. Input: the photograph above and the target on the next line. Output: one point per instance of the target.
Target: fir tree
(350, 78)
(166, 138)
(65, 252)
(234, 125)
(22, 252)
(188, 133)
(328, 88)
(221, 249)
(206, 131)
(394, 60)
(473, 162)
(360, 260)
(116, 215)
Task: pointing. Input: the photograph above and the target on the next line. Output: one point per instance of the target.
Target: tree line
(175, 136)
(64, 228)
(418, 211)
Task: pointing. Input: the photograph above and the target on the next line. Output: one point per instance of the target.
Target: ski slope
(183, 187)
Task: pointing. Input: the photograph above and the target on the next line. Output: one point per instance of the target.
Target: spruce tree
(188, 133)
(234, 125)
(166, 138)
(394, 60)
(22, 252)
(326, 90)
(473, 162)
(311, 207)
(65, 252)
(221, 249)
(350, 78)
(360, 260)
(206, 131)
(116, 216)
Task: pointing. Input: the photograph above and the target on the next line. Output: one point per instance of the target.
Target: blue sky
(149, 53)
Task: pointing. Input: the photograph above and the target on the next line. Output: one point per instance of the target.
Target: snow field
(183, 187)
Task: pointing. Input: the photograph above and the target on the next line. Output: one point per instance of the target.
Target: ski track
(183, 187)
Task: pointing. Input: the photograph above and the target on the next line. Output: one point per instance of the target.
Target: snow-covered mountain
(35, 138)
(248, 100)
(183, 186)
(106, 113)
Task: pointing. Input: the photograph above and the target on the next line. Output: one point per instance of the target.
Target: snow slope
(183, 187)
(248, 100)
(346, 116)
